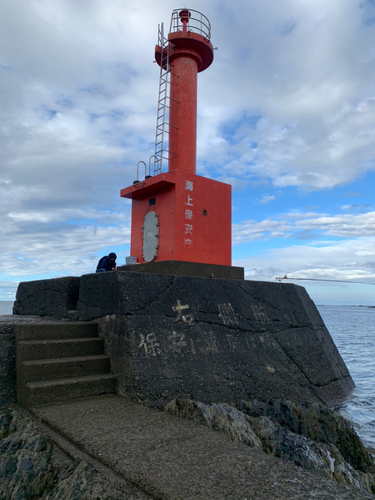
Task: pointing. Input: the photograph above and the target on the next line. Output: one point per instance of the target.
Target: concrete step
(61, 361)
(52, 391)
(28, 350)
(41, 331)
(58, 368)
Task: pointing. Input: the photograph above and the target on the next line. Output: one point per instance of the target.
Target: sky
(286, 115)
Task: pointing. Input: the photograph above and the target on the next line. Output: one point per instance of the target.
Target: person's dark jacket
(106, 263)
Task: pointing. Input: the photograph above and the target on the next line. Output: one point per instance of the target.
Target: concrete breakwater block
(52, 297)
(212, 340)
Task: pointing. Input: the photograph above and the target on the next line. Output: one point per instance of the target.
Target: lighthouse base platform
(181, 268)
(211, 340)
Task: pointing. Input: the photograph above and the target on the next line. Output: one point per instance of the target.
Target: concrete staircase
(59, 362)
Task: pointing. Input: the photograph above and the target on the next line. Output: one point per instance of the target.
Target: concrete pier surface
(166, 457)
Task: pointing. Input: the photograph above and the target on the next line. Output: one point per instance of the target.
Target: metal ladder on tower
(162, 120)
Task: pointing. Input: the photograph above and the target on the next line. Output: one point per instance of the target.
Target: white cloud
(303, 226)
(8, 290)
(288, 101)
(312, 90)
(318, 261)
(266, 198)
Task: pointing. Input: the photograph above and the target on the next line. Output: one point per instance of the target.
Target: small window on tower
(151, 202)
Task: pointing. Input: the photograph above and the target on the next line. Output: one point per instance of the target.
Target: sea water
(6, 307)
(353, 331)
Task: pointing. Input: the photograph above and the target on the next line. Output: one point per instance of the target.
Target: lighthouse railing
(195, 22)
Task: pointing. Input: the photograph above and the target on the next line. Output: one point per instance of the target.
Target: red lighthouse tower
(178, 215)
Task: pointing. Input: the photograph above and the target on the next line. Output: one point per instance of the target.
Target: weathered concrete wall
(8, 392)
(52, 297)
(211, 340)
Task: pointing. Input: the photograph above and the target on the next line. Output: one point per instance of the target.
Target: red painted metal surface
(195, 223)
(183, 115)
(189, 53)
(194, 212)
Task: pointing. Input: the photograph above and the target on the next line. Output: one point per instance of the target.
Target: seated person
(107, 263)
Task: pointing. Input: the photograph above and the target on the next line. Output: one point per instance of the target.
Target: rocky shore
(310, 436)
(34, 467)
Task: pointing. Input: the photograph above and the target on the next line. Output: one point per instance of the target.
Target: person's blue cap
(112, 255)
